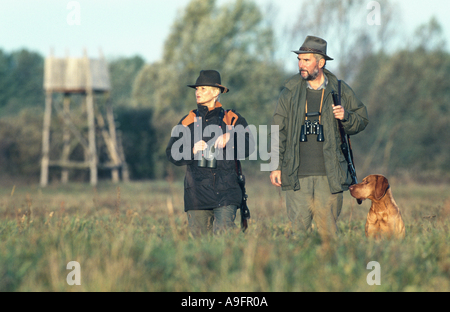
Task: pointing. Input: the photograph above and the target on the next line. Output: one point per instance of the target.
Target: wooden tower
(89, 78)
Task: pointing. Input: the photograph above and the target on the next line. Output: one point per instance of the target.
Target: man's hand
(222, 141)
(275, 177)
(339, 112)
(199, 146)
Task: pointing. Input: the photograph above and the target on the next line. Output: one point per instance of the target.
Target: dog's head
(372, 187)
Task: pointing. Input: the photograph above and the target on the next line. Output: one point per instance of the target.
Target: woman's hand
(222, 141)
(199, 146)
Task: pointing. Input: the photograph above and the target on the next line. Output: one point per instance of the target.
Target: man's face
(308, 66)
(205, 95)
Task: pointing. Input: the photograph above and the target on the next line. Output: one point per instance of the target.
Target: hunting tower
(89, 80)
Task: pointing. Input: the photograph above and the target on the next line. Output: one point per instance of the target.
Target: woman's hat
(314, 45)
(209, 78)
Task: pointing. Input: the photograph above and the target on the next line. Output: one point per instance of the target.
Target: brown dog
(384, 218)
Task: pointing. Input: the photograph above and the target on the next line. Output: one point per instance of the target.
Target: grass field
(134, 237)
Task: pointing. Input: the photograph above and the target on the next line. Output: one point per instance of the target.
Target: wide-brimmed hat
(209, 78)
(314, 45)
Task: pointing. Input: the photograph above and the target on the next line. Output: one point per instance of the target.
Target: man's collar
(322, 86)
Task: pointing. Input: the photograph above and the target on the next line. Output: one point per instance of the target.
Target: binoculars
(312, 128)
(208, 160)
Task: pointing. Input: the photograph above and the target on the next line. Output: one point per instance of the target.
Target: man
(314, 172)
(212, 193)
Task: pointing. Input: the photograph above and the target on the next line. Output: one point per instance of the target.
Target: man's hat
(314, 45)
(209, 78)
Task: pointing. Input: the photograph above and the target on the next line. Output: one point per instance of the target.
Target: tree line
(406, 90)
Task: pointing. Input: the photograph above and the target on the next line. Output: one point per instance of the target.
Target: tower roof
(70, 75)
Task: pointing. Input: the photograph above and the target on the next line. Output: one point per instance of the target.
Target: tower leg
(112, 135)
(92, 148)
(66, 139)
(46, 138)
(125, 172)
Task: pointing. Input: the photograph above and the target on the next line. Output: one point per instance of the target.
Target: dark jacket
(206, 188)
(290, 115)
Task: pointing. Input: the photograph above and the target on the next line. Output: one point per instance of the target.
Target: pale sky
(124, 28)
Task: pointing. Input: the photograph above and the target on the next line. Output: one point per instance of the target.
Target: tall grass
(134, 237)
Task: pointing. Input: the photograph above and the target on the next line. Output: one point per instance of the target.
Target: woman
(211, 190)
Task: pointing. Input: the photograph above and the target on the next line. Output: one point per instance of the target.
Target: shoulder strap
(339, 92)
(221, 114)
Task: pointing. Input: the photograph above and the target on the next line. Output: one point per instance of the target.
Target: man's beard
(311, 76)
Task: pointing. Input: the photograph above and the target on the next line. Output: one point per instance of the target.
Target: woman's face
(206, 95)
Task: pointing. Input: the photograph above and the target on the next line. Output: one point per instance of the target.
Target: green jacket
(290, 115)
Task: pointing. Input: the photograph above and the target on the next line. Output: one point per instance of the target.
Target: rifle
(245, 212)
(345, 139)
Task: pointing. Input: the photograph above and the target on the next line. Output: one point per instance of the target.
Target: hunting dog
(384, 218)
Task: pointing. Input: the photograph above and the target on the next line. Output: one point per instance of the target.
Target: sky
(125, 28)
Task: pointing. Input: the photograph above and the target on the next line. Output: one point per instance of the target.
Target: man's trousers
(314, 201)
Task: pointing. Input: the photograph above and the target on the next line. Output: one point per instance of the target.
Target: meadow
(134, 237)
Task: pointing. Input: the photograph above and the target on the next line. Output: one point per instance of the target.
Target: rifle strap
(341, 127)
(339, 92)
(238, 167)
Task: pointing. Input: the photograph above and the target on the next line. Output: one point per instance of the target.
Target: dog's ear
(381, 187)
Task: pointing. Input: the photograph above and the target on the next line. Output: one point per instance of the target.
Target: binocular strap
(320, 110)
